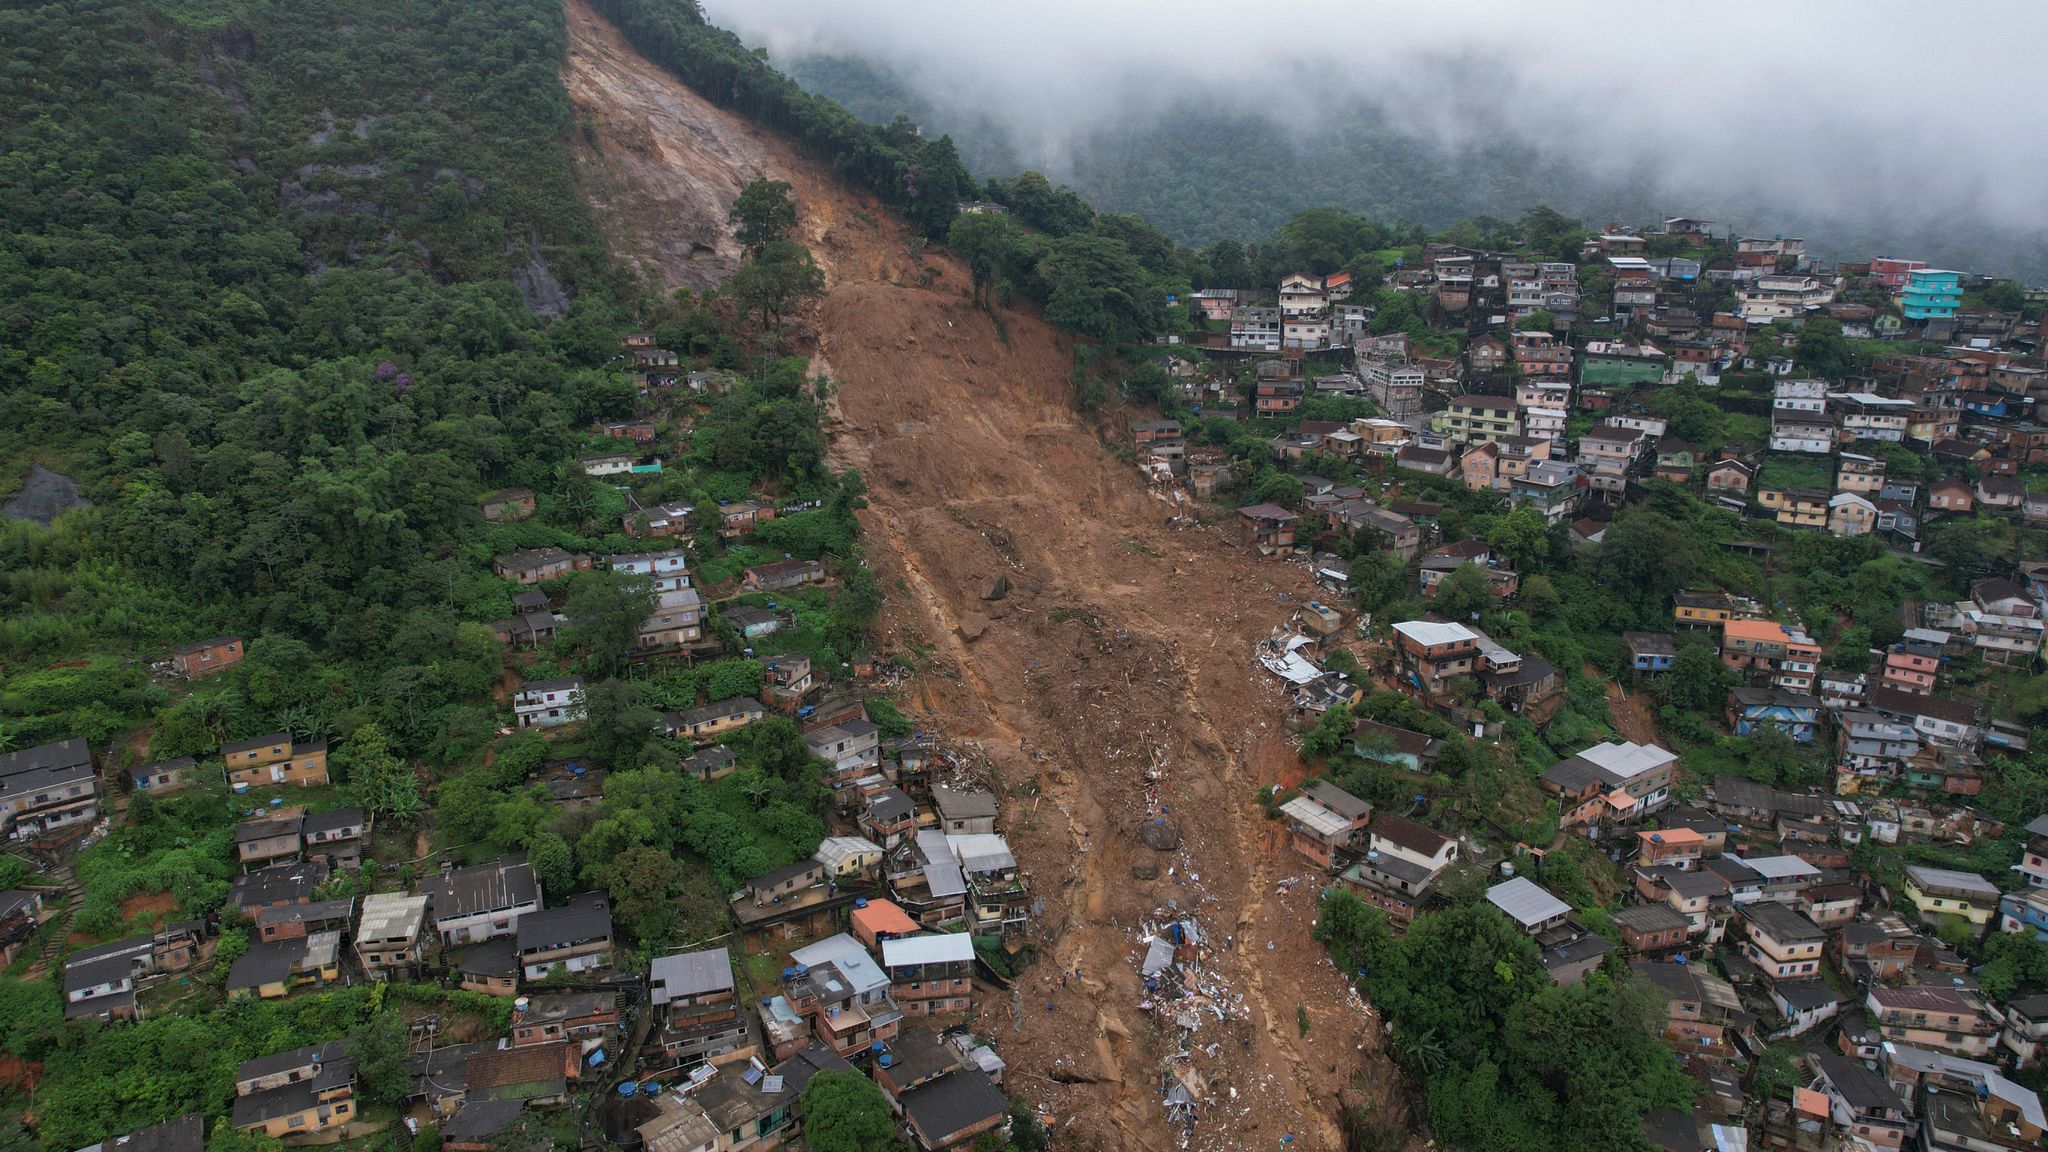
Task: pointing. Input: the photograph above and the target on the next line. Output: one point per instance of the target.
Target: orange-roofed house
(1753, 643)
(1810, 1102)
(881, 920)
(1676, 847)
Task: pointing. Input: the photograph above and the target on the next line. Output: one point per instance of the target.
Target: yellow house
(276, 759)
(1851, 515)
(296, 1093)
(1940, 892)
(1800, 507)
(1701, 609)
(713, 720)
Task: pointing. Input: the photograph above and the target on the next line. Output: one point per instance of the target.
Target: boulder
(972, 626)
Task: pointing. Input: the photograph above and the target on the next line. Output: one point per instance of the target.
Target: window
(296, 1122)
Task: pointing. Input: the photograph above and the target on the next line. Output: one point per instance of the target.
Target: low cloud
(1880, 110)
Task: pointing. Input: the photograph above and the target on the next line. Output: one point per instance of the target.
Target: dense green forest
(258, 301)
(286, 290)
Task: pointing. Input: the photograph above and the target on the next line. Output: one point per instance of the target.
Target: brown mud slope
(1112, 686)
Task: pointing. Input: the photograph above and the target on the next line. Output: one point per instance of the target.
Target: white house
(546, 703)
(668, 570)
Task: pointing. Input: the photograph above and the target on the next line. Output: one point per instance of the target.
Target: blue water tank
(629, 1088)
(860, 902)
(788, 973)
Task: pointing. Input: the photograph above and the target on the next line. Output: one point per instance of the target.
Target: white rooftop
(1525, 902)
(1628, 759)
(982, 852)
(1780, 867)
(391, 916)
(690, 974)
(1429, 634)
(834, 851)
(937, 948)
(1315, 817)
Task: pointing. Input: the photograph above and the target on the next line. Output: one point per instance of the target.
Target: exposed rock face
(44, 496)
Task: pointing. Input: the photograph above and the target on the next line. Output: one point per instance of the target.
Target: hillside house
(666, 571)
(850, 750)
(207, 657)
(1951, 495)
(572, 939)
(708, 722)
(694, 1000)
(782, 575)
(669, 520)
(930, 974)
(1475, 419)
(548, 703)
(1402, 859)
(296, 1093)
(507, 505)
(276, 759)
(1651, 651)
(1670, 847)
(1782, 943)
(269, 840)
(788, 680)
(1388, 745)
(161, 777)
(1933, 1017)
(964, 811)
(481, 902)
(1325, 823)
(1434, 653)
(1851, 515)
(46, 788)
(1551, 487)
(1702, 609)
(1268, 528)
(1648, 929)
(1730, 476)
(1794, 713)
(1938, 892)
(676, 622)
(1611, 782)
(537, 565)
(1912, 667)
(390, 941)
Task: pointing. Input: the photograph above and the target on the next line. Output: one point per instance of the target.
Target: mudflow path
(1110, 687)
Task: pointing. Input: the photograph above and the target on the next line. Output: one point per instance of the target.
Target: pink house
(1893, 272)
(1912, 667)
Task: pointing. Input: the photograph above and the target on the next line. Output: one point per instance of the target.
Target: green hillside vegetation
(288, 289)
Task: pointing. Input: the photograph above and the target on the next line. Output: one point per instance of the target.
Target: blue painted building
(1798, 715)
(1931, 293)
(1650, 651)
(2024, 912)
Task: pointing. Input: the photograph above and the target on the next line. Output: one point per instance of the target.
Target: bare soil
(1111, 687)
(1633, 715)
(155, 907)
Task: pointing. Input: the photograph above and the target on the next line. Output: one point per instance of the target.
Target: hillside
(1203, 173)
(1111, 683)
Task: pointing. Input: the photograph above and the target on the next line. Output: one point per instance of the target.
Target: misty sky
(1905, 111)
